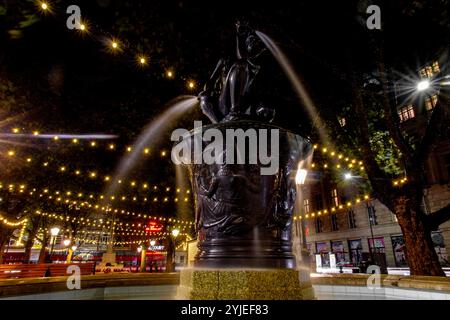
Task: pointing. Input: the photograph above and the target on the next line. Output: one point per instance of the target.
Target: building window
(436, 67)
(430, 102)
(342, 122)
(406, 113)
(306, 205)
(319, 225)
(334, 197)
(423, 73)
(351, 219)
(334, 223)
(429, 71)
(372, 216)
(377, 245)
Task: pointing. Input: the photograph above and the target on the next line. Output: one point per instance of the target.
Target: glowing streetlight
(54, 231)
(423, 85)
(44, 6)
(175, 233)
(300, 177)
(347, 176)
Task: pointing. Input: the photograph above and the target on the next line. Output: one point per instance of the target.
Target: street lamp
(300, 180)
(175, 233)
(347, 176)
(423, 85)
(54, 232)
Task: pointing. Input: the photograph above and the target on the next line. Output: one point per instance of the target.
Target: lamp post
(142, 251)
(54, 232)
(152, 243)
(300, 179)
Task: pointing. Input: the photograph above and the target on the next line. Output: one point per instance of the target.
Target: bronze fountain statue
(243, 218)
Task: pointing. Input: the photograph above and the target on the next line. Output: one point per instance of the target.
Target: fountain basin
(244, 212)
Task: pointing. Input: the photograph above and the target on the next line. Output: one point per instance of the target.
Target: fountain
(244, 198)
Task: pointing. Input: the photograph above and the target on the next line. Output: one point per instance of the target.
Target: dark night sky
(80, 87)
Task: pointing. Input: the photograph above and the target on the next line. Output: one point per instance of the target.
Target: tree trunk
(2, 249)
(28, 247)
(170, 264)
(42, 253)
(420, 253)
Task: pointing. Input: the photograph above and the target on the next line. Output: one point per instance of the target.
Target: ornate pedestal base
(251, 284)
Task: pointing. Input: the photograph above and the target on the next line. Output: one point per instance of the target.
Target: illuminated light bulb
(55, 138)
(145, 186)
(82, 27)
(75, 140)
(62, 169)
(77, 172)
(142, 60)
(146, 150)
(11, 153)
(167, 189)
(315, 146)
(169, 74)
(324, 150)
(119, 181)
(15, 130)
(35, 133)
(44, 6)
(45, 164)
(107, 178)
(114, 44)
(93, 143)
(93, 174)
(191, 85)
(129, 149)
(163, 153)
(112, 146)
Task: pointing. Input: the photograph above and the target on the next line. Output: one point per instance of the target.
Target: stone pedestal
(251, 284)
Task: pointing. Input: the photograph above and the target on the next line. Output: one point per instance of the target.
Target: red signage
(153, 226)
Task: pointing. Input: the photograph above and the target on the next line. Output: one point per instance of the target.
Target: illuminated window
(306, 205)
(436, 67)
(335, 197)
(430, 103)
(406, 113)
(429, 71)
(423, 73)
(342, 122)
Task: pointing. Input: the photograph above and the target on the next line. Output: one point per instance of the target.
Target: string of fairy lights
(75, 198)
(341, 161)
(114, 45)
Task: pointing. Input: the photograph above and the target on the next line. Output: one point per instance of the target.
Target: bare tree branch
(437, 218)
